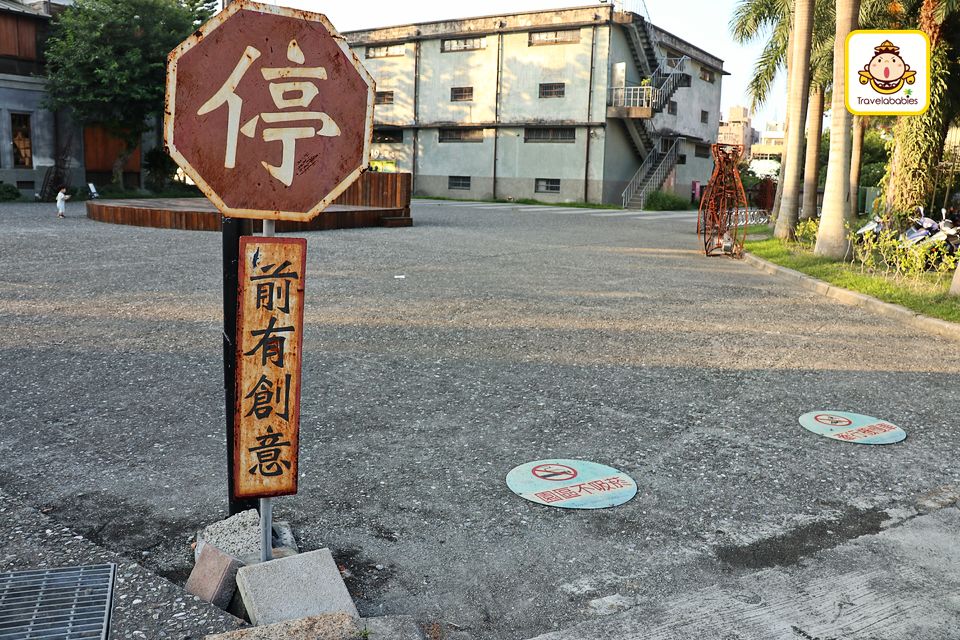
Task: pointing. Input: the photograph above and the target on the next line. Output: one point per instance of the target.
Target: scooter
(923, 227)
(873, 228)
(948, 234)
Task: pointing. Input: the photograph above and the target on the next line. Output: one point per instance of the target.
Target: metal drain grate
(69, 603)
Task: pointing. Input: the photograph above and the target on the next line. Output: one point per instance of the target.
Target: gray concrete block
(214, 577)
(391, 628)
(333, 626)
(304, 585)
(238, 535)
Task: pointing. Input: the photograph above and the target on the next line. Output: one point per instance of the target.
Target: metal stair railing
(668, 161)
(666, 79)
(644, 96)
(637, 181)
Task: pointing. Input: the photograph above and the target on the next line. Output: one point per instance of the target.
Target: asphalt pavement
(437, 358)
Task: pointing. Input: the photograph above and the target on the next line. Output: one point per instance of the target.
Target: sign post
(271, 115)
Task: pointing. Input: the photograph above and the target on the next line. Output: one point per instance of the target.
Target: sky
(700, 22)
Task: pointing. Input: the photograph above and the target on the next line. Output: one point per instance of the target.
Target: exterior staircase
(651, 175)
(636, 106)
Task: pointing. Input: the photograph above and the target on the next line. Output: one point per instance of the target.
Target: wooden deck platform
(199, 214)
(375, 200)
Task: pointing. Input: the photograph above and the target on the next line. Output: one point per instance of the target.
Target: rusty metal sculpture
(723, 209)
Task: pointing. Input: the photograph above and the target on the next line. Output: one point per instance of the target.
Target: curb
(942, 328)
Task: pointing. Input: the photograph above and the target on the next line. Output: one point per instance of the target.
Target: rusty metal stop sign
(269, 112)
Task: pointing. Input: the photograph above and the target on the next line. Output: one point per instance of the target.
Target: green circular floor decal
(852, 427)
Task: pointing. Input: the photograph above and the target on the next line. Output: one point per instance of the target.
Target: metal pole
(266, 504)
(232, 229)
(266, 529)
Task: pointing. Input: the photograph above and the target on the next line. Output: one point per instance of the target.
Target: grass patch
(926, 296)
(759, 230)
(575, 205)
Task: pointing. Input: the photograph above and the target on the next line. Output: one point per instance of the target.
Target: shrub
(806, 232)
(666, 201)
(8, 192)
(160, 169)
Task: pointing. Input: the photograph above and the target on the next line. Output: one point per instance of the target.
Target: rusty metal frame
(170, 105)
(723, 215)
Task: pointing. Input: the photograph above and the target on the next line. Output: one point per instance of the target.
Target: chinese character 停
(292, 90)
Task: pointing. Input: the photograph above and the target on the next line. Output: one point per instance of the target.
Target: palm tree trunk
(856, 162)
(832, 238)
(797, 108)
(812, 168)
(786, 127)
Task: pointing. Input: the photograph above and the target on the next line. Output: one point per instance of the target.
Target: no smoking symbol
(555, 472)
(833, 421)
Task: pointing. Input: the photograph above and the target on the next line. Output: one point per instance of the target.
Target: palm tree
(811, 169)
(753, 19)
(919, 139)
(797, 110)
(821, 71)
(832, 235)
(856, 162)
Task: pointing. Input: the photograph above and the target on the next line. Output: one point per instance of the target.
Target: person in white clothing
(62, 198)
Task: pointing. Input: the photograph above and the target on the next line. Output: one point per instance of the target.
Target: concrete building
(35, 143)
(583, 104)
(737, 129)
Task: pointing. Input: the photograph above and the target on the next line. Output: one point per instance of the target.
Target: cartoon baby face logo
(895, 81)
(887, 72)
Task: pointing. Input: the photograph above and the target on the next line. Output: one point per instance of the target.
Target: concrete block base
(214, 577)
(334, 626)
(301, 586)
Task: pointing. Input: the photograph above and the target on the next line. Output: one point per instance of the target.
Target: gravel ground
(515, 335)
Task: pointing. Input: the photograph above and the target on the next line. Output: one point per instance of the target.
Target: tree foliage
(106, 62)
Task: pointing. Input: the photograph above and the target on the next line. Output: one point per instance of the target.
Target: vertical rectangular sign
(269, 354)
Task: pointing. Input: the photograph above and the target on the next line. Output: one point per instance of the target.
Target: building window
(549, 134)
(704, 117)
(387, 135)
(565, 36)
(460, 135)
(463, 44)
(18, 36)
(702, 151)
(383, 97)
(672, 107)
(552, 89)
(681, 158)
(708, 75)
(383, 166)
(22, 141)
(458, 182)
(387, 51)
(461, 94)
(547, 185)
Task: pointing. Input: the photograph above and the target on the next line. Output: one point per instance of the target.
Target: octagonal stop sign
(269, 112)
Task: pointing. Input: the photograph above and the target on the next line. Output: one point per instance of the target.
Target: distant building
(585, 104)
(736, 129)
(41, 150)
(768, 152)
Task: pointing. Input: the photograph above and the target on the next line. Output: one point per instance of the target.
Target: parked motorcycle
(922, 228)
